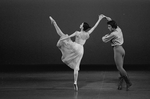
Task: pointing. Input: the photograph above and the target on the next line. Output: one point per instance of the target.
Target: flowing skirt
(72, 53)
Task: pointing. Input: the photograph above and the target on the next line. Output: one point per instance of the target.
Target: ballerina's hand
(52, 20)
(67, 35)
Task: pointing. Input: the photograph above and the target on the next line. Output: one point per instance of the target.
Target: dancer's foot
(119, 87)
(128, 85)
(120, 83)
(75, 87)
(128, 82)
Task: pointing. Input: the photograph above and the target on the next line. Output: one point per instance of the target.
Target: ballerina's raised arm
(96, 24)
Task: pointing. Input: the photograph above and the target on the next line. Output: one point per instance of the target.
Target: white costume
(116, 37)
(72, 52)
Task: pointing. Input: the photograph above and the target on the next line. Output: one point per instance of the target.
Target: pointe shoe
(75, 87)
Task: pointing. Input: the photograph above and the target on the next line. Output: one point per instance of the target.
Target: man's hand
(108, 18)
(101, 16)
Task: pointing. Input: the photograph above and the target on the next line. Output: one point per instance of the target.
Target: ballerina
(116, 39)
(72, 51)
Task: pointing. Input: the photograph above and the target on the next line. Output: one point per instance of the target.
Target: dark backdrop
(27, 36)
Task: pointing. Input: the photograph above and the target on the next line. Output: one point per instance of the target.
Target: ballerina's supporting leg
(76, 71)
(75, 79)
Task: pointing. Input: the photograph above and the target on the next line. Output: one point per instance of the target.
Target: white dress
(72, 52)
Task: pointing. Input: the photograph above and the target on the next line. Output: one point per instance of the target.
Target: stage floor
(59, 85)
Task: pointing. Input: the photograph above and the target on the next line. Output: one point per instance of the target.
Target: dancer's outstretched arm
(72, 35)
(60, 33)
(96, 24)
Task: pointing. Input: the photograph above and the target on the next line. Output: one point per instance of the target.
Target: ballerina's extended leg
(59, 32)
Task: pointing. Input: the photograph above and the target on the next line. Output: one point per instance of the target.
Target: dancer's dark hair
(112, 23)
(86, 26)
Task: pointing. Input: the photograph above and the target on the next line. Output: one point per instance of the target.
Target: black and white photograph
(74, 49)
